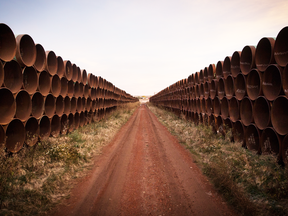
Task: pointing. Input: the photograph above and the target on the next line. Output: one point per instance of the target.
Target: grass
(253, 184)
(34, 180)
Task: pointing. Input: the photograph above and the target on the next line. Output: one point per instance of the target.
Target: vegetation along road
(144, 171)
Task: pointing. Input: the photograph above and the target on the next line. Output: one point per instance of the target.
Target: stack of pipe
(246, 92)
(41, 95)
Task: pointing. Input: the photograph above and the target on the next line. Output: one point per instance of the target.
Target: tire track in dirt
(144, 171)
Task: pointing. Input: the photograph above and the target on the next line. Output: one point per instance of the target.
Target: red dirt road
(144, 171)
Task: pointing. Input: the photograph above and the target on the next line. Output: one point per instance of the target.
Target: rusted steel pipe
(71, 123)
(86, 91)
(64, 87)
(279, 115)
(281, 47)
(59, 108)
(206, 90)
(7, 106)
(270, 142)
(224, 108)
(68, 70)
(234, 112)
(226, 66)
(202, 106)
(79, 104)
(60, 67)
(217, 106)
(45, 127)
(272, 82)
(201, 76)
(209, 106)
(15, 135)
(84, 76)
(213, 88)
(219, 69)
(247, 59)
(229, 87)
(76, 120)
(32, 131)
(23, 105)
(261, 112)
(240, 86)
(238, 131)
(196, 75)
(79, 77)
(25, 51)
(40, 60)
(90, 79)
(221, 88)
(51, 63)
(13, 76)
(64, 124)
(201, 91)
(83, 100)
(44, 83)
(8, 43)
(76, 89)
(55, 85)
(73, 105)
(205, 74)
(254, 84)
(75, 72)
(70, 91)
(67, 105)
(252, 138)
(55, 126)
(37, 105)
(211, 72)
(2, 136)
(82, 119)
(235, 63)
(246, 111)
(30, 79)
(49, 105)
(264, 55)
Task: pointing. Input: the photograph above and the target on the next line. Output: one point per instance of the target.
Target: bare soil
(144, 171)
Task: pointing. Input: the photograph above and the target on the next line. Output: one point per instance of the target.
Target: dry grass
(35, 179)
(252, 184)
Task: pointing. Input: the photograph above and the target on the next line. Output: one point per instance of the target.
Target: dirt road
(144, 171)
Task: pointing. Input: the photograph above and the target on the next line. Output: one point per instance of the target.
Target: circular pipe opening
(75, 72)
(206, 90)
(68, 70)
(226, 66)
(70, 91)
(205, 74)
(76, 120)
(281, 47)
(73, 105)
(51, 63)
(217, 106)
(32, 131)
(272, 82)
(201, 78)
(201, 90)
(67, 105)
(64, 124)
(213, 89)
(15, 136)
(64, 87)
(240, 87)
(270, 142)
(44, 83)
(30, 79)
(211, 72)
(55, 126)
(279, 115)
(79, 79)
(247, 59)
(45, 128)
(234, 109)
(86, 91)
(23, 105)
(56, 85)
(7, 106)
(252, 138)
(88, 104)
(71, 122)
(264, 55)
(81, 89)
(84, 76)
(246, 111)
(40, 61)
(229, 87)
(79, 104)
(209, 106)
(221, 88)
(60, 67)
(261, 112)
(37, 105)
(49, 105)
(224, 108)
(59, 106)
(235, 63)
(82, 119)
(26, 50)
(13, 76)
(238, 131)
(219, 69)
(8, 43)
(254, 84)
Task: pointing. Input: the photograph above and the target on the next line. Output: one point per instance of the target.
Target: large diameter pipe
(272, 82)
(37, 105)
(270, 141)
(206, 90)
(75, 72)
(68, 70)
(44, 83)
(246, 111)
(213, 88)
(7, 106)
(45, 127)
(217, 106)
(13, 76)
(226, 66)
(8, 43)
(211, 72)
(261, 113)
(221, 88)
(15, 135)
(229, 87)
(240, 86)
(201, 77)
(234, 109)
(49, 105)
(252, 138)
(32, 131)
(84, 76)
(82, 119)
(23, 105)
(235, 63)
(254, 84)
(64, 87)
(40, 61)
(60, 67)
(76, 89)
(281, 47)
(67, 105)
(71, 123)
(55, 126)
(30, 79)
(79, 79)
(26, 50)
(86, 91)
(224, 108)
(209, 106)
(55, 85)
(1, 73)
(205, 74)
(51, 63)
(59, 108)
(238, 131)
(73, 105)
(264, 55)
(219, 69)
(76, 120)
(279, 115)
(247, 59)
(64, 124)
(70, 91)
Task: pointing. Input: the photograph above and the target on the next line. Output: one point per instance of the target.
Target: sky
(145, 46)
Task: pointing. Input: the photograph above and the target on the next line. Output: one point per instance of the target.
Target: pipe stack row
(41, 95)
(246, 92)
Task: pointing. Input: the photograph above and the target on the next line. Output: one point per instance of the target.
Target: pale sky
(144, 46)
